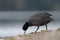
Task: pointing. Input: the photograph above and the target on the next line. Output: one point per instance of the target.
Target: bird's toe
(33, 32)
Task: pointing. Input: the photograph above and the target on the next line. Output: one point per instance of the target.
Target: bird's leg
(46, 27)
(37, 29)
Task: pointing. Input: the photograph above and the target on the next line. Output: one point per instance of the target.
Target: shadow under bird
(38, 20)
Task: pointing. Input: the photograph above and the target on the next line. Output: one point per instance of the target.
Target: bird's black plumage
(25, 26)
(39, 19)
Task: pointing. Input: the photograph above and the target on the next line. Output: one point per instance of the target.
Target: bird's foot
(46, 30)
(33, 32)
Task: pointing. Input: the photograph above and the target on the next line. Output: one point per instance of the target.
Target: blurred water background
(16, 5)
(11, 22)
(14, 13)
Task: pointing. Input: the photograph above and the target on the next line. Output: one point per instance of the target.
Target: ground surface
(43, 35)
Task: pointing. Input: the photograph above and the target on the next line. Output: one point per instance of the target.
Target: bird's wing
(47, 14)
(38, 18)
(42, 15)
(35, 21)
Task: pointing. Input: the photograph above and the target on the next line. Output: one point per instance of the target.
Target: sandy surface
(43, 35)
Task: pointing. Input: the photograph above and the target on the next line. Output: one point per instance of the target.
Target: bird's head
(25, 26)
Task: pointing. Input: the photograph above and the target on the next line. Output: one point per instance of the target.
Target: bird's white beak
(24, 32)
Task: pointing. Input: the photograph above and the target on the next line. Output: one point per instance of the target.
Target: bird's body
(39, 19)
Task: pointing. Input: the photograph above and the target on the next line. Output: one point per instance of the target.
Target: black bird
(39, 19)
